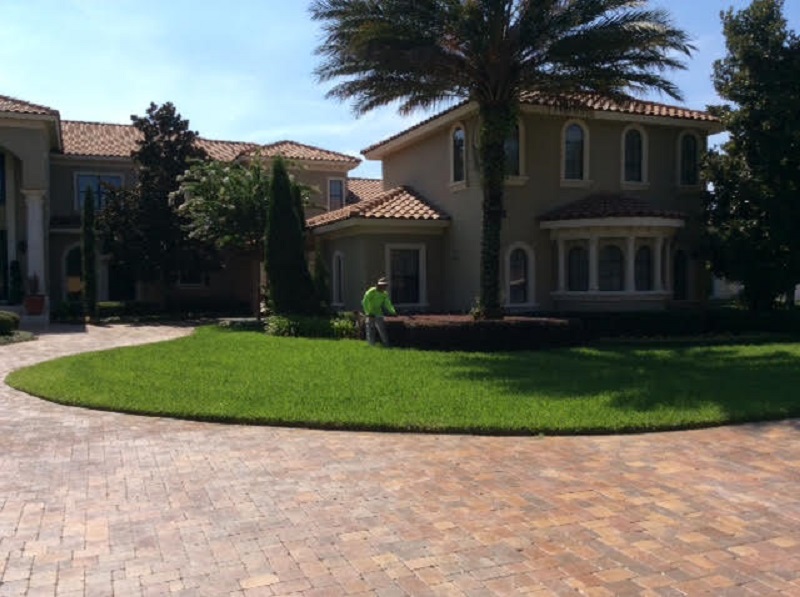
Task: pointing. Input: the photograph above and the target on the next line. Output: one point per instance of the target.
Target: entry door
(3, 265)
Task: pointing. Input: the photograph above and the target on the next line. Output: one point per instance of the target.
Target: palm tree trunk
(496, 122)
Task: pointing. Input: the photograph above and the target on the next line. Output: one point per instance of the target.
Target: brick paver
(103, 504)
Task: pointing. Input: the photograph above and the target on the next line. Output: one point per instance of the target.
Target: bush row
(67, 312)
(9, 323)
(313, 327)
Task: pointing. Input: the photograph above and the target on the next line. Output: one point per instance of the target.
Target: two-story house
(602, 211)
(46, 165)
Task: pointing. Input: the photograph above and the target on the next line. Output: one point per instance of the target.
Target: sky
(241, 70)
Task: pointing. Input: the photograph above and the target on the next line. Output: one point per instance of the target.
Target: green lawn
(251, 378)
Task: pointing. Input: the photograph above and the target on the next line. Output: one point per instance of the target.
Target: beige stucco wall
(63, 173)
(425, 165)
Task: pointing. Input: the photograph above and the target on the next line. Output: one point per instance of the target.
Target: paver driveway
(99, 503)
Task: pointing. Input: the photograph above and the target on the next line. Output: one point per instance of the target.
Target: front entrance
(3, 265)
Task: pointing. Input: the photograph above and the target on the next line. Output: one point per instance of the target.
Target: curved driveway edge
(95, 503)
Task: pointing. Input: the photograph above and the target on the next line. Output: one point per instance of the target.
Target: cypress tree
(291, 289)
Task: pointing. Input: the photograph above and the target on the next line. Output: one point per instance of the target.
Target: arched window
(519, 274)
(73, 274)
(578, 264)
(634, 156)
(338, 279)
(574, 152)
(643, 269)
(689, 159)
(611, 268)
(511, 146)
(458, 149)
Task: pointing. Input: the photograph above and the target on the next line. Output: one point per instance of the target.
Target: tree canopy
(421, 53)
(753, 207)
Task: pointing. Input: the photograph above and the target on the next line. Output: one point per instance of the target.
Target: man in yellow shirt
(375, 302)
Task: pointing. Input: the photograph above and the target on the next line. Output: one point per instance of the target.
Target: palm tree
(422, 53)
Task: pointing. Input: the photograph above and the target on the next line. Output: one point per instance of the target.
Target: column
(594, 265)
(562, 265)
(657, 266)
(630, 264)
(34, 203)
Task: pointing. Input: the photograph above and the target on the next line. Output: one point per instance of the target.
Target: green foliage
(291, 289)
(138, 226)
(88, 261)
(753, 211)
(299, 326)
(16, 290)
(420, 54)
(225, 204)
(9, 322)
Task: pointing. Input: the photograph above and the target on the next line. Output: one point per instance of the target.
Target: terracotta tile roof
(579, 101)
(15, 106)
(101, 139)
(299, 151)
(399, 203)
(363, 189)
(609, 205)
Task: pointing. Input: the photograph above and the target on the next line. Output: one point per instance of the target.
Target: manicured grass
(251, 378)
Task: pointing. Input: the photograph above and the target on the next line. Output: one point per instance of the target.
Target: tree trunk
(496, 122)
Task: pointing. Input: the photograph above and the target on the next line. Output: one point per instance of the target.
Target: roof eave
(362, 222)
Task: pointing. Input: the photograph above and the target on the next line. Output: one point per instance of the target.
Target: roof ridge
(32, 104)
(353, 178)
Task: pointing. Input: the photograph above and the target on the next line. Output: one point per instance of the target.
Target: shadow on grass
(745, 383)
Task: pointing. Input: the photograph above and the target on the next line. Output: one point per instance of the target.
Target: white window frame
(575, 182)
(77, 199)
(344, 191)
(423, 270)
(457, 185)
(531, 273)
(337, 290)
(679, 153)
(634, 184)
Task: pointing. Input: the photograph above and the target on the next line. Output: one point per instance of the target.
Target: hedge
(9, 323)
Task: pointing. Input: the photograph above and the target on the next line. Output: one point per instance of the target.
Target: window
(634, 156)
(611, 268)
(511, 146)
(338, 279)
(689, 160)
(98, 183)
(406, 267)
(335, 193)
(459, 173)
(643, 269)
(519, 275)
(2, 179)
(578, 264)
(574, 152)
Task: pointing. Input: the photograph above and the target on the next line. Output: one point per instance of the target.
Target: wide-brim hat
(382, 282)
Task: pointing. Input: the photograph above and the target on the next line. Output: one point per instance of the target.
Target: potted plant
(33, 302)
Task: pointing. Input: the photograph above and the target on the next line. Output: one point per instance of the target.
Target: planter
(34, 304)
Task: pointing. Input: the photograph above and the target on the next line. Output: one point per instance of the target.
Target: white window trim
(337, 301)
(457, 185)
(518, 180)
(679, 153)
(575, 182)
(76, 198)
(634, 184)
(423, 270)
(344, 191)
(531, 273)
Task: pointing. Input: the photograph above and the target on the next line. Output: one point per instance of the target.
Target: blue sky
(240, 70)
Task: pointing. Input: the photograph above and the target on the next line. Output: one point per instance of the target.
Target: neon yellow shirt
(375, 301)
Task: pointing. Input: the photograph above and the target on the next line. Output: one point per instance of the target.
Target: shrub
(242, 325)
(67, 312)
(345, 327)
(9, 323)
(300, 326)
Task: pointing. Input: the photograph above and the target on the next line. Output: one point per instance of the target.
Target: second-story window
(634, 156)
(99, 184)
(335, 193)
(459, 155)
(689, 160)
(511, 146)
(574, 152)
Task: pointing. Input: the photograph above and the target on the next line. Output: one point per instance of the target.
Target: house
(602, 208)
(46, 165)
(602, 211)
